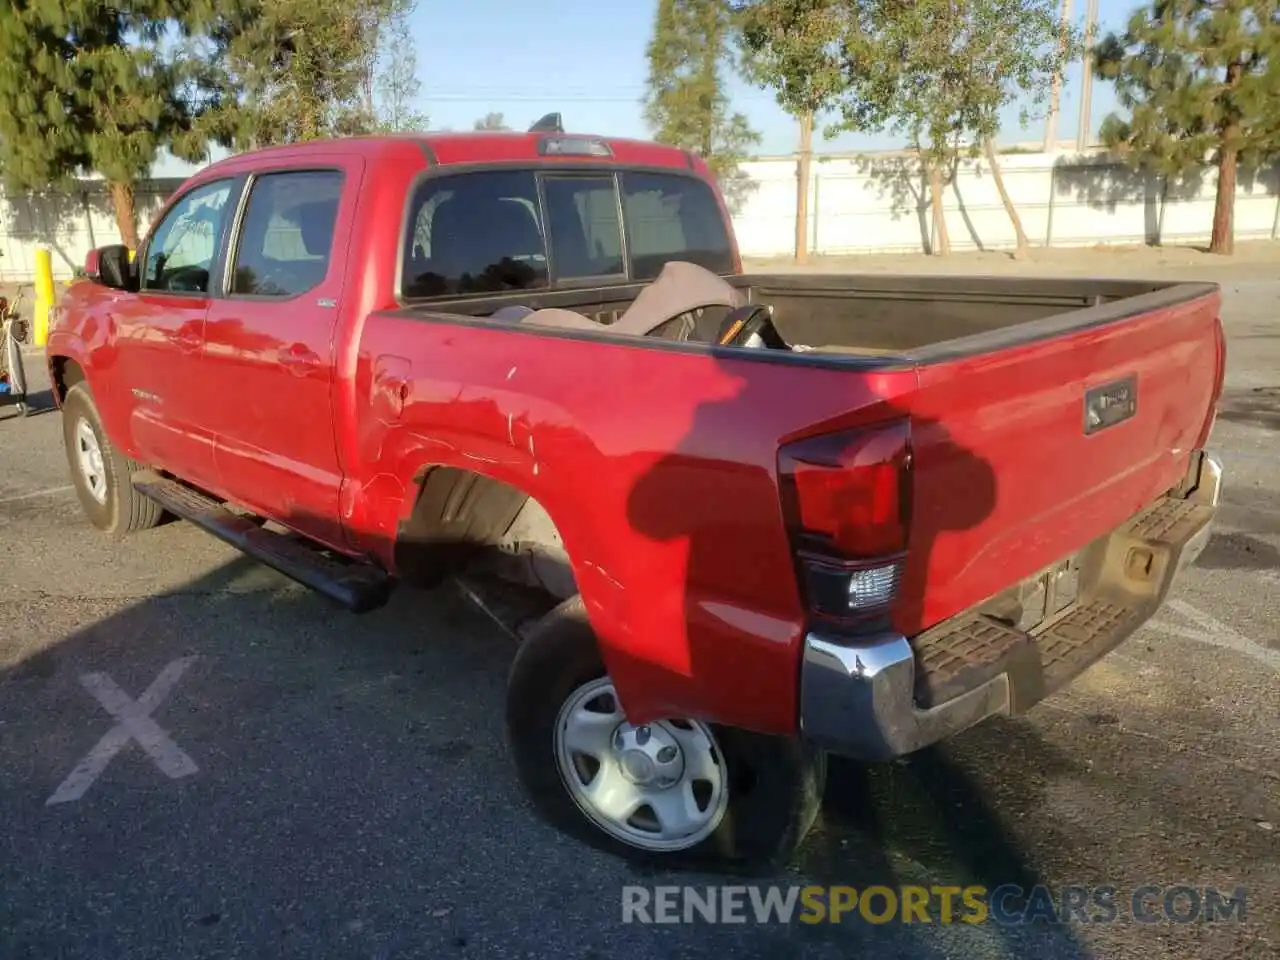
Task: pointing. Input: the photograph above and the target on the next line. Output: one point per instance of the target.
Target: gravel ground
(352, 796)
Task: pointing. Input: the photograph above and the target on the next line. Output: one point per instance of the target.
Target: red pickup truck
(773, 517)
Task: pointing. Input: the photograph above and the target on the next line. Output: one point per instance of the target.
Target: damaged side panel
(464, 521)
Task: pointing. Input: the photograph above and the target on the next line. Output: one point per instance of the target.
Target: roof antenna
(551, 123)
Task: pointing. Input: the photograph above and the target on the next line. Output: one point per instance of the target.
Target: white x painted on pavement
(134, 723)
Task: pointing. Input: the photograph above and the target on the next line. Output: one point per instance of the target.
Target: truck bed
(924, 317)
(906, 314)
(998, 377)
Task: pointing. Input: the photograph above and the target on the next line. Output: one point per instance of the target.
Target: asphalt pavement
(199, 758)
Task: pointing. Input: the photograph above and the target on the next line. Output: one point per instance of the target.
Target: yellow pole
(44, 296)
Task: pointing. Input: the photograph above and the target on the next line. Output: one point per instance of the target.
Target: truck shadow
(381, 698)
(1238, 551)
(924, 808)
(369, 750)
(1259, 407)
(363, 745)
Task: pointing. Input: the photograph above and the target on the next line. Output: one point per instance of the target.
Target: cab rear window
(502, 230)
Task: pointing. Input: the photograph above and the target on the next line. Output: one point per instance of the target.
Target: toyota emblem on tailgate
(1110, 403)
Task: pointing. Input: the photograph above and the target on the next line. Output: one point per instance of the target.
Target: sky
(586, 60)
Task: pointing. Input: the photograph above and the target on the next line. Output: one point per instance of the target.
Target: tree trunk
(1084, 126)
(1023, 250)
(802, 188)
(1223, 239)
(942, 241)
(126, 213)
(1055, 89)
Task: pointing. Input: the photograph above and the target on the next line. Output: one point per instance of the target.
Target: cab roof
(477, 147)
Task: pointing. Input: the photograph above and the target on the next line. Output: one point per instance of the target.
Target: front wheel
(102, 475)
(677, 792)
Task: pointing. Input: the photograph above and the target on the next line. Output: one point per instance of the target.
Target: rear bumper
(884, 696)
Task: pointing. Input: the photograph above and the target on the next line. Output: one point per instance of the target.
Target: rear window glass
(586, 231)
(475, 233)
(490, 232)
(673, 218)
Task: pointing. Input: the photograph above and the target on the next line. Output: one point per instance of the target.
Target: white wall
(857, 204)
(70, 222)
(873, 204)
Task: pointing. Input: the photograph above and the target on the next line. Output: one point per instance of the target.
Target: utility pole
(1084, 129)
(802, 187)
(1055, 91)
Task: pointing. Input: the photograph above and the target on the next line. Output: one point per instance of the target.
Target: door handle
(299, 360)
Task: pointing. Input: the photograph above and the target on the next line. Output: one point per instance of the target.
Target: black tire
(775, 783)
(123, 510)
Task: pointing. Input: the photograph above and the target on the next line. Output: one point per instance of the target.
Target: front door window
(181, 251)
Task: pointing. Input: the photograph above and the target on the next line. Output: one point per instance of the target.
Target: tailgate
(1031, 442)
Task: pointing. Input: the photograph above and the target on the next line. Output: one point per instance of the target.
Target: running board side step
(356, 586)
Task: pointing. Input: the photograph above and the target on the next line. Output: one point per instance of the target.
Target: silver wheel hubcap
(661, 786)
(89, 456)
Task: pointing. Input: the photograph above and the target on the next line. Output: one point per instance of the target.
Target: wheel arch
(64, 373)
(458, 513)
(452, 512)
(662, 662)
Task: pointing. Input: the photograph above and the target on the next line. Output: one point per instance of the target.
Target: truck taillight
(1220, 349)
(846, 498)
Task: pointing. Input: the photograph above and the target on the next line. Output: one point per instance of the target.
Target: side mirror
(110, 266)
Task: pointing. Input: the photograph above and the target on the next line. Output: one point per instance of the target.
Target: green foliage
(397, 84)
(937, 72)
(1196, 78)
(952, 66)
(492, 121)
(689, 54)
(304, 68)
(85, 87)
(795, 47)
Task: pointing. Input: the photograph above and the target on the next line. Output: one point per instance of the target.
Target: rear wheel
(102, 475)
(677, 792)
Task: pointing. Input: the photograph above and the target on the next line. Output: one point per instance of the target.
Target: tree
(1012, 51)
(1201, 80)
(90, 88)
(1055, 94)
(398, 85)
(686, 104)
(304, 69)
(936, 72)
(491, 121)
(792, 46)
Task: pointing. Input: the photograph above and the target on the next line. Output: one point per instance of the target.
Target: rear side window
(673, 218)
(286, 239)
(475, 233)
(496, 231)
(586, 230)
